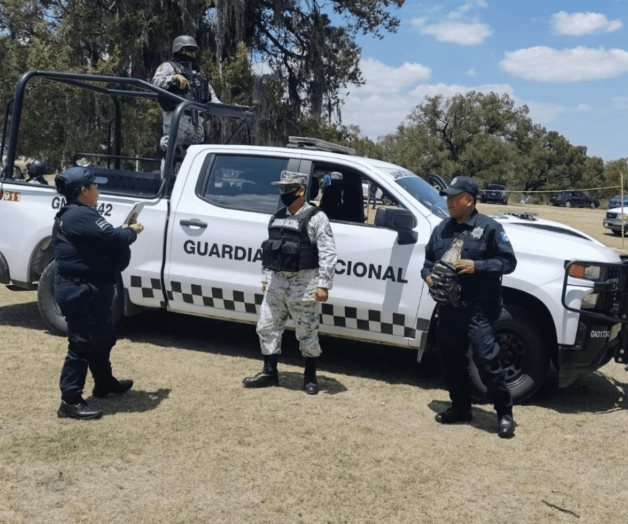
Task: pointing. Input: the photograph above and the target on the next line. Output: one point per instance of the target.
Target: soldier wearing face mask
(299, 259)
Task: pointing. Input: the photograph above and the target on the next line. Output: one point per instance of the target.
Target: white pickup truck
(200, 255)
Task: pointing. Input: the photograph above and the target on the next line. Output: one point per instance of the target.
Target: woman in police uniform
(89, 253)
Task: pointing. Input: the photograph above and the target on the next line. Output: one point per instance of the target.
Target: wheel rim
(512, 356)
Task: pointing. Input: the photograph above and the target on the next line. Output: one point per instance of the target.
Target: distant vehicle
(615, 201)
(574, 199)
(493, 194)
(614, 219)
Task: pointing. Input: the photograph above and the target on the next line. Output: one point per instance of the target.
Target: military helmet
(182, 41)
(38, 168)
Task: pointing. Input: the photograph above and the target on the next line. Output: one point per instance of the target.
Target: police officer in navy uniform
(479, 252)
(89, 253)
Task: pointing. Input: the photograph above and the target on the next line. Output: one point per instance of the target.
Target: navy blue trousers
(87, 310)
(472, 327)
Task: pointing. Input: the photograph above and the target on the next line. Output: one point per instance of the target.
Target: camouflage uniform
(292, 293)
(191, 126)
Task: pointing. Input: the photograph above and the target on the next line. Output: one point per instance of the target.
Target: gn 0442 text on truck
(200, 252)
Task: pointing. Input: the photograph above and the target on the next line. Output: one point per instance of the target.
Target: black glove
(445, 288)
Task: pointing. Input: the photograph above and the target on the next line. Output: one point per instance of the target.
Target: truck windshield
(420, 190)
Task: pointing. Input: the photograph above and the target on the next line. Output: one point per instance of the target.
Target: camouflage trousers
(188, 134)
(290, 295)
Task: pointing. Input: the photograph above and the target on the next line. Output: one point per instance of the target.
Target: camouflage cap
(291, 178)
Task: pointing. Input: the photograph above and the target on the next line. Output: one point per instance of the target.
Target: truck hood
(547, 238)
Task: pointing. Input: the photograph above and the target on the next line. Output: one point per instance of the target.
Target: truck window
(241, 182)
(343, 196)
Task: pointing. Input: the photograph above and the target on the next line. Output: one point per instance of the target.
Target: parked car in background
(493, 194)
(573, 199)
(614, 219)
(615, 201)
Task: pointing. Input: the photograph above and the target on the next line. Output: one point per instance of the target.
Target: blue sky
(567, 60)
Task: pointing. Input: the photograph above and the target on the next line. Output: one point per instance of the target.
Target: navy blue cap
(461, 184)
(77, 177)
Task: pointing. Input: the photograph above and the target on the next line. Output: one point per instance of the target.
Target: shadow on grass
(327, 385)
(134, 401)
(592, 393)
(25, 315)
(379, 362)
(483, 419)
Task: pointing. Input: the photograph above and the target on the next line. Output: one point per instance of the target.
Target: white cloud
(471, 72)
(383, 79)
(578, 24)
(566, 65)
(459, 32)
(381, 105)
(457, 26)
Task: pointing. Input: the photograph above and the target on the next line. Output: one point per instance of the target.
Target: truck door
(377, 283)
(217, 225)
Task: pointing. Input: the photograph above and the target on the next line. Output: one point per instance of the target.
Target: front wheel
(524, 355)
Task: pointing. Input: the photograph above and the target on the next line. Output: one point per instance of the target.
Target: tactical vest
(288, 247)
(198, 90)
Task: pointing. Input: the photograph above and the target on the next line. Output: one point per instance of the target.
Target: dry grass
(189, 444)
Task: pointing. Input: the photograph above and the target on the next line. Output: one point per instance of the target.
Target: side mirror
(400, 220)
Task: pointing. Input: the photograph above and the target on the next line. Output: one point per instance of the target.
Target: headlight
(584, 271)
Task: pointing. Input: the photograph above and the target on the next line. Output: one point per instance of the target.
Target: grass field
(189, 444)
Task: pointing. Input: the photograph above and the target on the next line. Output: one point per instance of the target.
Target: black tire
(592, 205)
(524, 355)
(617, 233)
(49, 310)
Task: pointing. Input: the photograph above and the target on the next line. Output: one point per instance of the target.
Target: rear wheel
(49, 309)
(524, 355)
(593, 206)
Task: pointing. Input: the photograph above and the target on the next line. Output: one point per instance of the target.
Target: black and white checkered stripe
(373, 320)
(148, 288)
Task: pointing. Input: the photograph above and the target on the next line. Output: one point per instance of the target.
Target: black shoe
(117, 387)
(263, 379)
(506, 426)
(310, 383)
(311, 388)
(453, 416)
(79, 410)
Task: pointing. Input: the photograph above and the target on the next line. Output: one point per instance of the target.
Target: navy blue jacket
(86, 246)
(486, 243)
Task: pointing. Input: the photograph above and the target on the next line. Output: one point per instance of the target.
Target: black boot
(267, 377)
(454, 416)
(73, 406)
(113, 385)
(310, 384)
(505, 425)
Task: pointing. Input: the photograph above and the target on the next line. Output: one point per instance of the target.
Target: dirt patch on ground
(189, 444)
